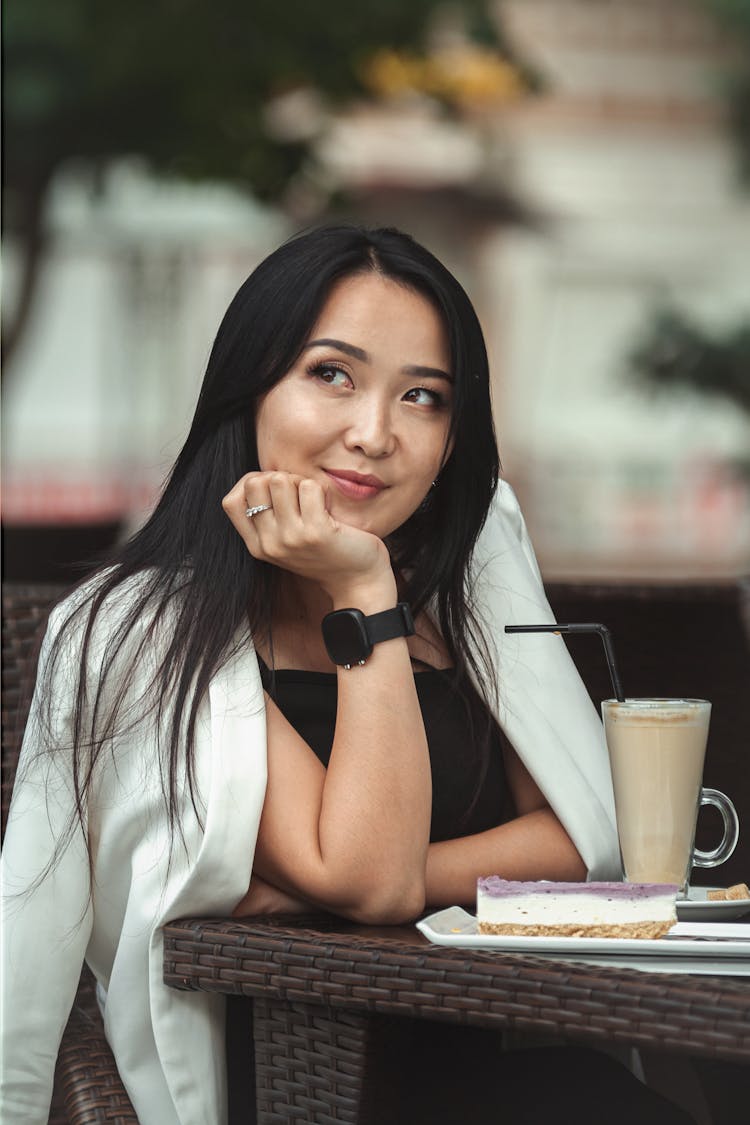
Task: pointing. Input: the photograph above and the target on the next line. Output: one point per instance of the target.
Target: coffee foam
(656, 711)
(654, 718)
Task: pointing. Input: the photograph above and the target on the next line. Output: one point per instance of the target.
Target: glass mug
(656, 752)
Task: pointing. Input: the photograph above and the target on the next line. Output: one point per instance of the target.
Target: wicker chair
(88, 1089)
(678, 639)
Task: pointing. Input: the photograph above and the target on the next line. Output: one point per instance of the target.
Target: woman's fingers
(297, 533)
(265, 510)
(263, 898)
(248, 493)
(312, 504)
(284, 499)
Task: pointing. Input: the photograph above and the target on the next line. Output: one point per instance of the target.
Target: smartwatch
(350, 636)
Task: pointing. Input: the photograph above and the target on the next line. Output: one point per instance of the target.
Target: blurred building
(100, 393)
(628, 156)
(569, 216)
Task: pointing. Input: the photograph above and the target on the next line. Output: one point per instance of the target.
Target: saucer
(698, 907)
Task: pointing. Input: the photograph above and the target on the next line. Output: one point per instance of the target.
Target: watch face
(345, 636)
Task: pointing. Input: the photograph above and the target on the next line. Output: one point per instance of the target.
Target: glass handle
(731, 821)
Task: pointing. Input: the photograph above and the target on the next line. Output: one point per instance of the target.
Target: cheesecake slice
(545, 909)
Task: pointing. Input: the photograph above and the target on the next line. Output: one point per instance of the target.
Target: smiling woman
(292, 687)
(371, 429)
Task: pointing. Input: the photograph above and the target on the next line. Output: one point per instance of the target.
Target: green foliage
(182, 82)
(675, 351)
(734, 11)
(678, 353)
(735, 14)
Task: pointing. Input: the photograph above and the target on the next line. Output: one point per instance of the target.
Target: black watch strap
(390, 623)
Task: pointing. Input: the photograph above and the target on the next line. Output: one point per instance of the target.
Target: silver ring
(250, 512)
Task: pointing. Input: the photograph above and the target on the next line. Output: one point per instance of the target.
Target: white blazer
(169, 1045)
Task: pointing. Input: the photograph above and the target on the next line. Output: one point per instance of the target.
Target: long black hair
(187, 571)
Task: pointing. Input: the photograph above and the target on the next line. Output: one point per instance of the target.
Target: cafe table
(319, 985)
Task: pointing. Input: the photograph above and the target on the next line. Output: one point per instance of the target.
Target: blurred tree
(675, 349)
(735, 14)
(677, 352)
(181, 82)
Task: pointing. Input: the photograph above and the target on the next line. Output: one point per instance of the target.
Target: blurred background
(583, 166)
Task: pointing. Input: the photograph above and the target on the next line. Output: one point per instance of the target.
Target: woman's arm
(533, 846)
(264, 898)
(352, 838)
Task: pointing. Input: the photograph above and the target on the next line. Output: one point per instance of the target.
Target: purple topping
(496, 887)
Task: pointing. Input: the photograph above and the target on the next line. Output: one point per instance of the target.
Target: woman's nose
(371, 430)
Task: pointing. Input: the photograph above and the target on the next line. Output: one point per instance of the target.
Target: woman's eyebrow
(427, 372)
(417, 370)
(348, 349)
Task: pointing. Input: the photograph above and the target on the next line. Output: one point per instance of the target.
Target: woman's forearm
(354, 837)
(376, 803)
(534, 846)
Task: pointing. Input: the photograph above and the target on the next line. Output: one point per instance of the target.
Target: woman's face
(366, 409)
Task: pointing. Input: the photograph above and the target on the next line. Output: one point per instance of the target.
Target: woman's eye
(332, 376)
(423, 396)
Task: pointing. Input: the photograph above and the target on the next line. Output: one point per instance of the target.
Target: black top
(469, 789)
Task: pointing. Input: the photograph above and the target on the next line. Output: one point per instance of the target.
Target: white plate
(723, 948)
(697, 907)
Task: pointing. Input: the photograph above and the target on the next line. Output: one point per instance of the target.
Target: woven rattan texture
(91, 1087)
(88, 1088)
(309, 1063)
(25, 610)
(694, 1015)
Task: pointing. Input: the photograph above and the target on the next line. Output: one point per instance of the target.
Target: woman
(344, 428)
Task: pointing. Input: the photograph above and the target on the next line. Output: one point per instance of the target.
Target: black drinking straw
(581, 627)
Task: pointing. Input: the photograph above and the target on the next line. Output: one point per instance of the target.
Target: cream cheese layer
(589, 904)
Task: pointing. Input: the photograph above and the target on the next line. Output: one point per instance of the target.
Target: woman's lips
(355, 485)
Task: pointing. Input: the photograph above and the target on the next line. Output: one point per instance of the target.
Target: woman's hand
(264, 898)
(300, 535)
